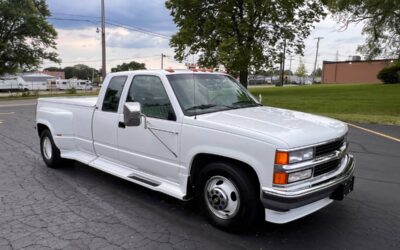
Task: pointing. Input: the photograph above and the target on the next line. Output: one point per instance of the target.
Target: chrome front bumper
(284, 199)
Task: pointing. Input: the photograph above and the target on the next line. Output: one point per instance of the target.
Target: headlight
(301, 155)
(300, 175)
(282, 178)
(284, 158)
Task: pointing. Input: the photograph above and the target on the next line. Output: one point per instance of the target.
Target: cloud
(78, 40)
(150, 15)
(83, 45)
(121, 38)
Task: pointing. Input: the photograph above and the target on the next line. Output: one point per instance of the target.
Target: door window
(150, 93)
(113, 93)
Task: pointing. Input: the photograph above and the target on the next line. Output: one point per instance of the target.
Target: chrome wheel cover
(47, 148)
(222, 197)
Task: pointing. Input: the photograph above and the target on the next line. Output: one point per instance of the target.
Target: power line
(114, 59)
(112, 23)
(139, 30)
(73, 20)
(68, 14)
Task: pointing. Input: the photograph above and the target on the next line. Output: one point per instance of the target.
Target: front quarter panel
(256, 153)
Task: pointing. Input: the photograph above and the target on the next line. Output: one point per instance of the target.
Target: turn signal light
(280, 178)
(281, 158)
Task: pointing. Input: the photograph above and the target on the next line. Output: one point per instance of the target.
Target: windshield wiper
(202, 106)
(246, 102)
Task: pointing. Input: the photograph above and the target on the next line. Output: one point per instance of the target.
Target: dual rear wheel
(50, 153)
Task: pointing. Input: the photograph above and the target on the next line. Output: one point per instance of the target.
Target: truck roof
(167, 72)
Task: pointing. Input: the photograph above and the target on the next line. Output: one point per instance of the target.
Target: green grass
(368, 103)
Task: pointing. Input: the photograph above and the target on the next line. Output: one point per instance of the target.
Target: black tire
(54, 159)
(248, 210)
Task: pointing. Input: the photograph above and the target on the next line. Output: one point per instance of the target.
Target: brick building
(57, 74)
(355, 71)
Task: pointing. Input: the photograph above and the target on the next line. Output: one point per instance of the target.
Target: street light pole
(103, 41)
(316, 57)
(283, 63)
(162, 60)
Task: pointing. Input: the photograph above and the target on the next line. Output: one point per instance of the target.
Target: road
(82, 208)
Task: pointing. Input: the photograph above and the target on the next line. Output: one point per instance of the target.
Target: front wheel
(228, 196)
(50, 153)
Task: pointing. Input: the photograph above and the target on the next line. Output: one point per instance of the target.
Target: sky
(78, 41)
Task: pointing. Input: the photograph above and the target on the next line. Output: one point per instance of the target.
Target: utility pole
(316, 57)
(162, 60)
(337, 55)
(103, 41)
(283, 63)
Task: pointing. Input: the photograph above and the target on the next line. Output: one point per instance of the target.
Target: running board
(144, 180)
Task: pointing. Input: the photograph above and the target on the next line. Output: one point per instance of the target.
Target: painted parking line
(17, 105)
(7, 113)
(375, 132)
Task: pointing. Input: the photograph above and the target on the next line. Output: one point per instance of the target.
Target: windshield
(206, 93)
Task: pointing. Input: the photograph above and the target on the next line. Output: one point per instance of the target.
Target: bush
(26, 93)
(71, 91)
(390, 74)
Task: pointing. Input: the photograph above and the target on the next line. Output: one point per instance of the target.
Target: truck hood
(293, 128)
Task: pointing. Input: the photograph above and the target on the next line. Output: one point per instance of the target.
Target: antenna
(194, 95)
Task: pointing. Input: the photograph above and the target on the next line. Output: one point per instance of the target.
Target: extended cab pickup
(197, 134)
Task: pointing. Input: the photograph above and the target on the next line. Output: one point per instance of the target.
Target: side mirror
(132, 114)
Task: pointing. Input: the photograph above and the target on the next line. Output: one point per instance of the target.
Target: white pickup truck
(199, 134)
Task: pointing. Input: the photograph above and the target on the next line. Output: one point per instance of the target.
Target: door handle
(121, 125)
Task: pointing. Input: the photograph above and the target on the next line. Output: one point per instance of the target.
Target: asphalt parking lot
(82, 208)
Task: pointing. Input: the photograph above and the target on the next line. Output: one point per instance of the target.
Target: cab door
(152, 147)
(105, 120)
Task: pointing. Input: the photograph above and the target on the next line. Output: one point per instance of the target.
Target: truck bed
(79, 101)
(70, 122)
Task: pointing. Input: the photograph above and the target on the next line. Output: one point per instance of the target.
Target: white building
(36, 81)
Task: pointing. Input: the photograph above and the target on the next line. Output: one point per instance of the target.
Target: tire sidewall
(54, 160)
(248, 195)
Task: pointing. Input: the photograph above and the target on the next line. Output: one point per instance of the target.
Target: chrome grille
(328, 147)
(326, 167)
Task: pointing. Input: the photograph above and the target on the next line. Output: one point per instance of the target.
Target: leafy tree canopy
(54, 69)
(318, 72)
(25, 35)
(381, 20)
(301, 69)
(242, 35)
(81, 71)
(288, 72)
(129, 66)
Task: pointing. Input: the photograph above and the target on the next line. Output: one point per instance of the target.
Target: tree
(318, 72)
(288, 72)
(25, 35)
(381, 21)
(301, 69)
(81, 71)
(390, 74)
(129, 66)
(242, 35)
(53, 69)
